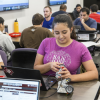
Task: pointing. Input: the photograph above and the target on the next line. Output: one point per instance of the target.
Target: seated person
(5, 40)
(32, 37)
(64, 49)
(85, 22)
(94, 8)
(62, 10)
(1, 62)
(48, 19)
(76, 11)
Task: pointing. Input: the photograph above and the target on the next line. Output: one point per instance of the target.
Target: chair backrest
(0, 48)
(98, 27)
(23, 57)
(17, 44)
(4, 57)
(78, 71)
(72, 16)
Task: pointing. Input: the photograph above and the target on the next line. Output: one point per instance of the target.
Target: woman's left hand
(65, 73)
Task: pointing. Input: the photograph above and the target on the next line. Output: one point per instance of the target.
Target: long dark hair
(64, 18)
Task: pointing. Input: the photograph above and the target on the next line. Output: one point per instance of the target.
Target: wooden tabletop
(82, 91)
(15, 39)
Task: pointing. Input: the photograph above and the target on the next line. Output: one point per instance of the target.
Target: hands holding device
(64, 73)
(60, 69)
(55, 66)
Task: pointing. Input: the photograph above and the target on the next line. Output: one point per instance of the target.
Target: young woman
(64, 49)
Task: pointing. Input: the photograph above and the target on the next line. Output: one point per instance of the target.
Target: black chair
(72, 16)
(17, 45)
(23, 57)
(97, 48)
(78, 71)
(98, 27)
(4, 57)
(0, 48)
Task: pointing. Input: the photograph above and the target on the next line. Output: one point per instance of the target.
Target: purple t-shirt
(71, 56)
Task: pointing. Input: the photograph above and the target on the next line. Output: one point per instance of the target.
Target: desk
(82, 91)
(90, 43)
(15, 39)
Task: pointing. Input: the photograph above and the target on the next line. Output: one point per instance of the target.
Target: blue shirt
(48, 24)
(90, 22)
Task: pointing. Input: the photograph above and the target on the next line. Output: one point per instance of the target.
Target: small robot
(63, 86)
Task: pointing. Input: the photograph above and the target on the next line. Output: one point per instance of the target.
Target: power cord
(52, 88)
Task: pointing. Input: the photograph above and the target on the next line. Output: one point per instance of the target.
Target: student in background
(76, 11)
(32, 37)
(1, 62)
(94, 8)
(5, 40)
(62, 10)
(84, 21)
(48, 19)
(64, 49)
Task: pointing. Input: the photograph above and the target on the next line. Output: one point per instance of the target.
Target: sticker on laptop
(9, 71)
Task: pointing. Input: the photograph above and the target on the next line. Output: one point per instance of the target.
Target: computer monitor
(19, 89)
(7, 5)
(56, 2)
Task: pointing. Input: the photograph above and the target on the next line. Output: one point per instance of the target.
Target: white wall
(25, 16)
(82, 2)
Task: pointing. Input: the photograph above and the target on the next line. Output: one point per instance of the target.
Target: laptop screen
(16, 89)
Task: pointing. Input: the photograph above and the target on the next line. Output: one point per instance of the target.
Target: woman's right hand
(54, 66)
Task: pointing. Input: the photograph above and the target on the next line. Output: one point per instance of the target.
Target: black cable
(52, 88)
(48, 78)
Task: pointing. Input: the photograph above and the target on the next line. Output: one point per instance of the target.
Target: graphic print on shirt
(59, 56)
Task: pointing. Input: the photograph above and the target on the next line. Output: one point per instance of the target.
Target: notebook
(19, 89)
(18, 72)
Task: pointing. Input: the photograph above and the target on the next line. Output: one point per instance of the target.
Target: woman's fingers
(55, 69)
(64, 76)
(55, 66)
(64, 73)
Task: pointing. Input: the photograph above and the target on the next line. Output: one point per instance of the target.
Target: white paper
(90, 43)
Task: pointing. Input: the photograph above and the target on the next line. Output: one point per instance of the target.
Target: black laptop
(86, 35)
(18, 72)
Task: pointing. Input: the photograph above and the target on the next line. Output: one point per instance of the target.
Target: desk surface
(15, 39)
(87, 44)
(90, 43)
(82, 91)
